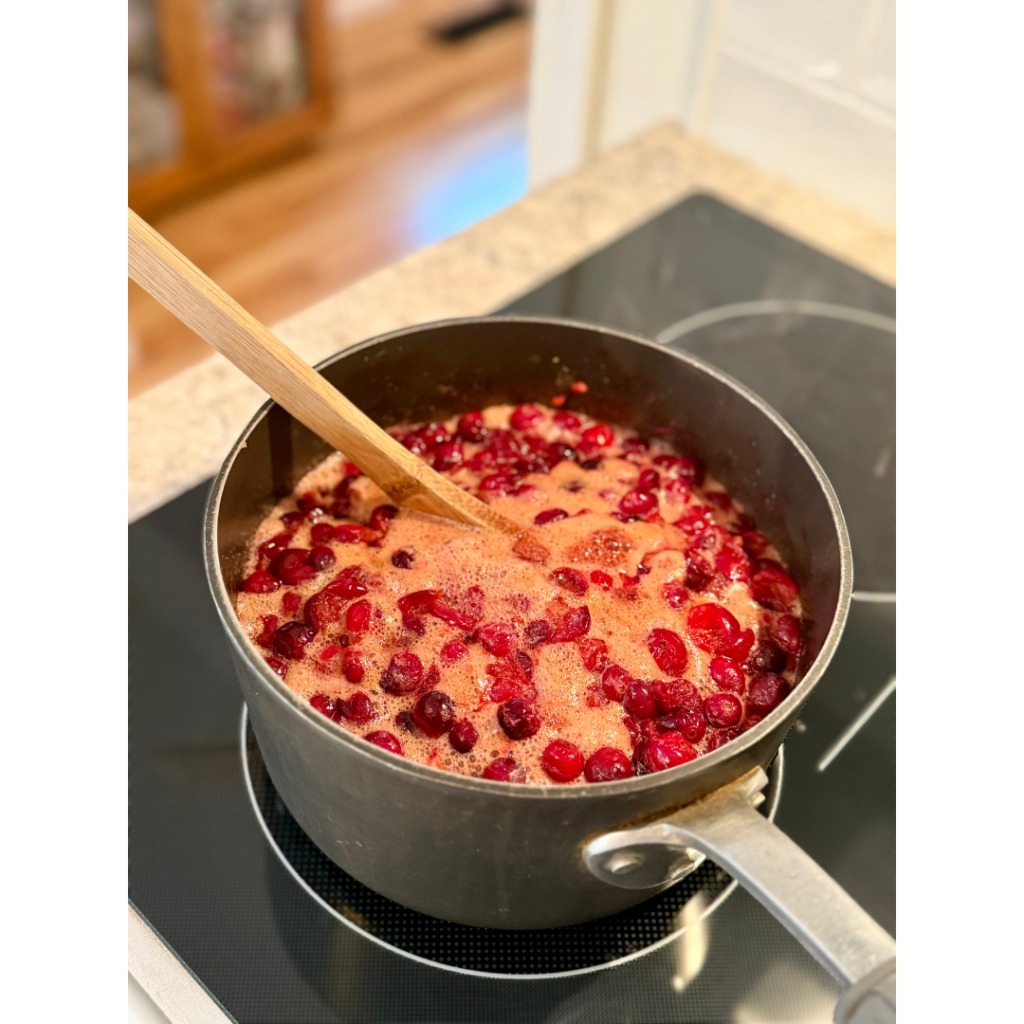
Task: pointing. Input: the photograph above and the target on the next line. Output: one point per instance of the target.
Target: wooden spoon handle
(188, 293)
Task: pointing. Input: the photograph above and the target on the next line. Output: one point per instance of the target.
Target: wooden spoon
(192, 297)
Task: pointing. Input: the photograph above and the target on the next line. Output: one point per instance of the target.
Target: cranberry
(550, 515)
(688, 721)
(277, 666)
(290, 602)
(434, 433)
(675, 594)
(639, 700)
(414, 624)
(723, 710)
(402, 559)
(418, 601)
(728, 674)
(649, 480)
(785, 631)
(712, 627)
(448, 456)
(352, 666)
(358, 616)
(359, 709)
(562, 761)
(766, 692)
(590, 464)
(691, 470)
(767, 658)
(381, 516)
(698, 572)
(322, 608)
(434, 713)
(498, 484)
(260, 583)
(602, 580)
(637, 503)
(668, 650)
(266, 638)
(675, 693)
(567, 420)
(740, 648)
(291, 639)
(293, 519)
(507, 681)
(599, 436)
(497, 638)
(324, 704)
(524, 416)
(518, 718)
(505, 769)
(290, 567)
(386, 741)
(405, 722)
(353, 533)
(633, 729)
(321, 533)
(320, 558)
(349, 583)
(330, 651)
(594, 654)
(607, 765)
(667, 751)
(463, 736)
(570, 579)
(722, 736)
(471, 426)
(574, 624)
(733, 564)
(614, 682)
(525, 662)
(453, 651)
(775, 589)
(277, 545)
(403, 674)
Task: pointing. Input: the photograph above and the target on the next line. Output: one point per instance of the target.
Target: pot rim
(731, 751)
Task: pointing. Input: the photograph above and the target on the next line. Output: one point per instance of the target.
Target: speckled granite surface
(180, 431)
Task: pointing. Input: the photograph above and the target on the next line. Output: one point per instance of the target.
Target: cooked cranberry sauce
(639, 621)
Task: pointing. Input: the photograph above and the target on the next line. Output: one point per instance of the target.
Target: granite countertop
(180, 430)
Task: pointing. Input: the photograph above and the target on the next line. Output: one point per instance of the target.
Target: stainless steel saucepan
(500, 855)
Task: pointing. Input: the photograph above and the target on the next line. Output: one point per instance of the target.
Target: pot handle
(726, 827)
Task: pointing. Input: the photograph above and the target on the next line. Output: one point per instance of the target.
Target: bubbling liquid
(639, 611)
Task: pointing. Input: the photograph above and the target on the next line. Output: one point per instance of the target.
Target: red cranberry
(504, 446)
(349, 583)
(403, 674)
(728, 675)
(402, 559)
(277, 545)
(594, 654)
(562, 761)
(290, 567)
(359, 709)
(712, 627)
(330, 651)
(498, 484)
(690, 722)
(386, 741)
(320, 558)
(463, 736)
(733, 564)
(675, 693)
(774, 589)
(550, 515)
(353, 533)
(291, 639)
(524, 416)
(639, 701)
(290, 602)
(448, 456)
(607, 765)
(698, 572)
(507, 681)
(434, 433)
(323, 608)
(633, 729)
(723, 710)
(649, 480)
(785, 631)
(453, 651)
(418, 601)
(497, 638)
(324, 704)
(719, 499)
(667, 751)
(691, 470)
(293, 519)
(358, 616)
(675, 594)
(505, 769)
(739, 649)
(260, 583)
(471, 426)
(321, 533)
(352, 666)
(518, 718)
(575, 623)
(266, 638)
(404, 721)
(637, 503)
(381, 516)
(599, 436)
(567, 420)
(525, 662)
(668, 650)
(602, 580)
(277, 666)
(570, 579)
(614, 682)
(722, 736)
(434, 713)
(766, 692)
(767, 658)
(590, 464)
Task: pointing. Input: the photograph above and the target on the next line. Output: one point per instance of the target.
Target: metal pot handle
(726, 827)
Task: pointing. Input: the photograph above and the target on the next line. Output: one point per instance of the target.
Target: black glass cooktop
(201, 869)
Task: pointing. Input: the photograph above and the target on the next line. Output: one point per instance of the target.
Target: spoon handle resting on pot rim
(199, 303)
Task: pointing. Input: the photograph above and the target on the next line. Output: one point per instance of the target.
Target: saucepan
(500, 855)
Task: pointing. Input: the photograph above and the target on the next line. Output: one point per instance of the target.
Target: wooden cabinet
(216, 86)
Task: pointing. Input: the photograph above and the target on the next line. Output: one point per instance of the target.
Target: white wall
(804, 88)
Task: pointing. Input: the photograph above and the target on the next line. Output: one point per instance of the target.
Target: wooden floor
(412, 112)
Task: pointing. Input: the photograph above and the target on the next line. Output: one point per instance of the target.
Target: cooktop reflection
(201, 868)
